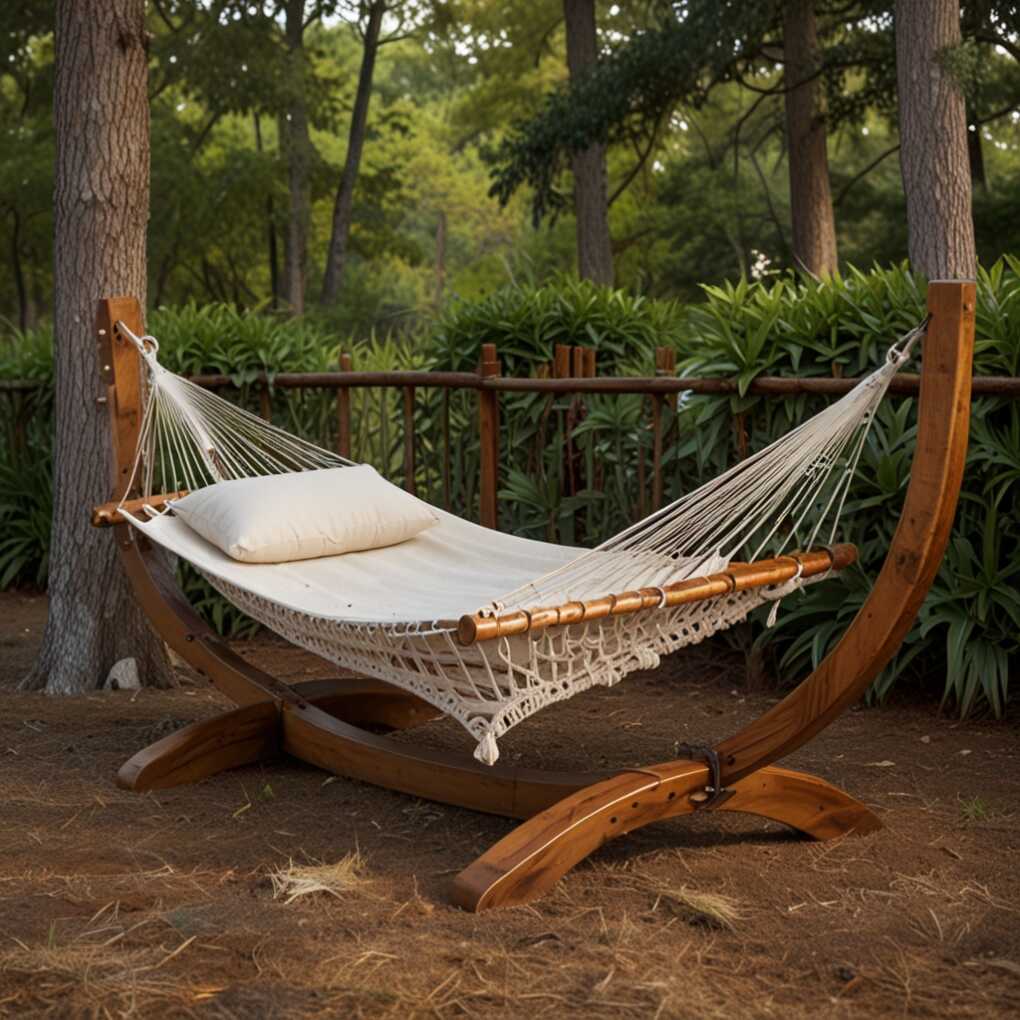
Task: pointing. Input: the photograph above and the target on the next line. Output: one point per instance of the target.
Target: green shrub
(526, 322)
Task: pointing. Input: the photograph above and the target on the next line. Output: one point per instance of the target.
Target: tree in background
(813, 223)
(101, 205)
(933, 149)
(591, 202)
(368, 20)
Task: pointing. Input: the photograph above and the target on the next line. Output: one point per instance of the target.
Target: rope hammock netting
(393, 613)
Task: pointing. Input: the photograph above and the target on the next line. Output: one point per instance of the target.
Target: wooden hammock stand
(567, 815)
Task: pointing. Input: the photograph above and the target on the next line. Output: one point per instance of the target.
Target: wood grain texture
(107, 514)
(204, 748)
(914, 556)
(473, 628)
(530, 860)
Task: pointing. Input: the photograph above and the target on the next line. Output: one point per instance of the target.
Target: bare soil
(114, 904)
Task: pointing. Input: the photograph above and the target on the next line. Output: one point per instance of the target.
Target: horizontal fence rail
(572, 372)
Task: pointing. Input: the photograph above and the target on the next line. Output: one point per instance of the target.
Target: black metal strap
(717, 793)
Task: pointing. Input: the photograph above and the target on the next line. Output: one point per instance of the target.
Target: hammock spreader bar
(738, 577)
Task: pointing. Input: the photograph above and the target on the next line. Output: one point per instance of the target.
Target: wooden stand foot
(531, 859)
(252, 733)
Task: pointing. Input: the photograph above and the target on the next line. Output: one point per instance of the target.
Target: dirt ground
(114, 904)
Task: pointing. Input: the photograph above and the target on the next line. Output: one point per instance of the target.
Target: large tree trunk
(298, 147)
(933, 142)
(813, 223)
(591, 205)
(101, 207)
(343, 209)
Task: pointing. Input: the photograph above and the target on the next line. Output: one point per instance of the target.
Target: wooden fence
(571, 372)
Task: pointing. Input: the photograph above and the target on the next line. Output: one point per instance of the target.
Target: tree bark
(343, 208)
(298, 146)
(812, 220)
(101, 207)
(934, 160)
(591, 204)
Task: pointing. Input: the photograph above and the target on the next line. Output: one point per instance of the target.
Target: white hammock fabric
(392, 613)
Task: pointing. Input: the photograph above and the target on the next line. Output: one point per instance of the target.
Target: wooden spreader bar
(106, 515)
(739, 577)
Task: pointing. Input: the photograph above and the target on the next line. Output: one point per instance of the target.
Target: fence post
(343, 412)
(409, 484)
(488, 435)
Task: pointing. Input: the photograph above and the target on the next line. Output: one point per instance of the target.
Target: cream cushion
(304, 515)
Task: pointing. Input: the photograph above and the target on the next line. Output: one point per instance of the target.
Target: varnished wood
(107, 514)
(120, 369)
(534, 856)
(251, 733)
(914, 556)
(204, 748)
(739, 577)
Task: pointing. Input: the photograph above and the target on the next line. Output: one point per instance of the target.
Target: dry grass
(292, 880)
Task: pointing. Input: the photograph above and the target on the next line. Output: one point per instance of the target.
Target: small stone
(123, 676)
(925, 739)
(965, 751)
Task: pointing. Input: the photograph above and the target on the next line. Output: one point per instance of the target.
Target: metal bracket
(714, 793)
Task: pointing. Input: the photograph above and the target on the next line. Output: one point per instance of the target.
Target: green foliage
(526, 322)
(26, 508)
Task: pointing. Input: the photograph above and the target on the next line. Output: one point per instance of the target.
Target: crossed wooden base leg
(530, 860)
(251, 733)
(568, 815)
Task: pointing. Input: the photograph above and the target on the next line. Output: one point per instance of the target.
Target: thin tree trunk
(812, 220)
(101, 207)
(298, 145)
(933, 134)
(343, 208)
(274, 264)
(591, 205)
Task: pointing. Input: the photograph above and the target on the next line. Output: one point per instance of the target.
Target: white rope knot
(776, 594)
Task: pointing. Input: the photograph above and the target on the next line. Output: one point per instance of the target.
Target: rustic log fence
(572, 372)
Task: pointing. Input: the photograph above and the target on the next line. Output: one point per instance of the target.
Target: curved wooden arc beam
(914, 556)
(530, 860)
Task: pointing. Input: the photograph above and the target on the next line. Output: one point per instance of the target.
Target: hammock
(489, 627)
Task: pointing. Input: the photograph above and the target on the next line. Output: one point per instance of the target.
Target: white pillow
(278, 518)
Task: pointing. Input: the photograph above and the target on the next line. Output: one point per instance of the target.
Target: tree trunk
(298, 146)
(343, 208)
(812, 221)
(933, 142)
(101, 207)
(274, 266)
(591, 205)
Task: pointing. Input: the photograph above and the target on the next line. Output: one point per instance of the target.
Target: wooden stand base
(569, 815)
